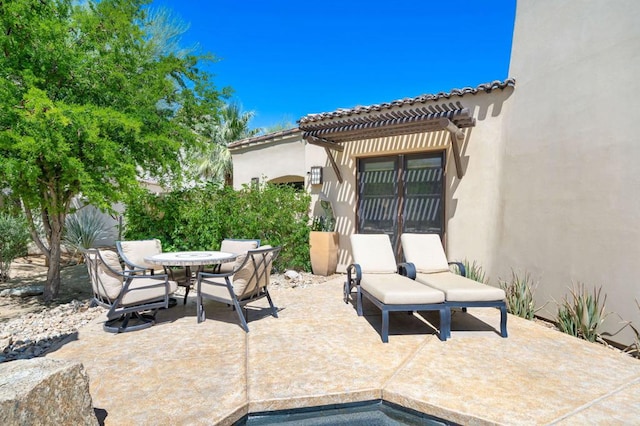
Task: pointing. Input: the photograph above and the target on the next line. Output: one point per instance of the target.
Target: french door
(401, 193)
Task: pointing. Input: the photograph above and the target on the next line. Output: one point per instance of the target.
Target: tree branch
(32, 229)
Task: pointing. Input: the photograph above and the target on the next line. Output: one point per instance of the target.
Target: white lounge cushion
(373, 253)
(425, 251)
(395, 289)
(460, 289)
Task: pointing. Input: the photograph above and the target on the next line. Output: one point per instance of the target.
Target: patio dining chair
(374, 275)
(133, 253)
(133, 300)
(247, 281)
(427, 264)
(235, 246)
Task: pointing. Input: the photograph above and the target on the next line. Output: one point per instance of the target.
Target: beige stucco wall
(471, 202)
(280, 157)
(570, 200)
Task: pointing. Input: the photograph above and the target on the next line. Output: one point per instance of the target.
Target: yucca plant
(519, 291)
(83, 229)
(582, 313)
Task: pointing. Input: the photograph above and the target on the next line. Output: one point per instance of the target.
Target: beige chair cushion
(136, 251)
(243, 281)
(395, 289)
(460, 289)
(146, 289)
(236, 247)
(109, 284)
(425, 251)
(373, 253)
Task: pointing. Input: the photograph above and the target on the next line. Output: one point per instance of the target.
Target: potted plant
(323, 242)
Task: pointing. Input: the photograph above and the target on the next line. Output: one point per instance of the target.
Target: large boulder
(45, 392)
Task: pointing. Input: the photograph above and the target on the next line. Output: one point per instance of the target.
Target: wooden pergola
(331, 131)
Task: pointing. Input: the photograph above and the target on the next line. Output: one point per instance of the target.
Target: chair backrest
(236, 246)
(134, 252)
(374, 254)
(253, 271)
(425, 251)
(104, 271)
(232, 245)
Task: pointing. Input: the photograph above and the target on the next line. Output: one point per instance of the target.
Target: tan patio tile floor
(320, 352)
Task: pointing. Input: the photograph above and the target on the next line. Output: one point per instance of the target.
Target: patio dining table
(187, 259)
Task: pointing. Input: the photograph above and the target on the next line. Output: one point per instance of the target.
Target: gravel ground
(29, 328)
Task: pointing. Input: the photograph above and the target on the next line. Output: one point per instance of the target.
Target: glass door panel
(423, 195)
(403, 193)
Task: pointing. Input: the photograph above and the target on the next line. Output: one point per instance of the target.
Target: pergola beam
(314, 140)
(328, 146)
(456, 135)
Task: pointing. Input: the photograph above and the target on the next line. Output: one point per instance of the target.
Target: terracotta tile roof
(340, 113)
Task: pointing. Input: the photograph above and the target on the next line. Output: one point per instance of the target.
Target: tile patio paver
(320, 352)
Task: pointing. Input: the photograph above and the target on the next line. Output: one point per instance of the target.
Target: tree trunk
(52, 287)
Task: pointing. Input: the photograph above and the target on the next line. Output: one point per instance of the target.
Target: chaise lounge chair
(133, 300)
(427, 264)
(247, 281)
(374, 275)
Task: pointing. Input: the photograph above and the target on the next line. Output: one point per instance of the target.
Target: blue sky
(286, 59)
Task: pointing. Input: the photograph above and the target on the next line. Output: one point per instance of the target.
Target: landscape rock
(27, 291)
(291, 275)
(45, 392)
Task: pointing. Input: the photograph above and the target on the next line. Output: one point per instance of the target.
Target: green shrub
(520, 291)
(83, 228)
(14, 237)
(473, 271)
(200, 218)
(583, 314)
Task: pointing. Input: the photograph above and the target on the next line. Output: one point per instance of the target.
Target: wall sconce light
(315, 175)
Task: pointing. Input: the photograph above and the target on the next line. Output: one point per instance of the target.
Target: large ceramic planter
(323, 248)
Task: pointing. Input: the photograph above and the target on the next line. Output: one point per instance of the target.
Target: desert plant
(473, 271)
(634, 348)
(83, 228)
(326, 222)
(14, 237)
(583, 313)
(519, 292)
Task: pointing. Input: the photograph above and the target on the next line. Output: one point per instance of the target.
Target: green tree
(87, 105)
(232, 124)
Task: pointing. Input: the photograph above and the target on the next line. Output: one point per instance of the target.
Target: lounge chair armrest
(407, 269)
(354, 269)
(461, 268)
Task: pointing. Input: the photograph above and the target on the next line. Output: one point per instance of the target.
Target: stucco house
(537, 176)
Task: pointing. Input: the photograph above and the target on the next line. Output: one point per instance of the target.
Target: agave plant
(473, 271)
(634, 348)
(583, 313)
(83, 228)
(519, 291)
